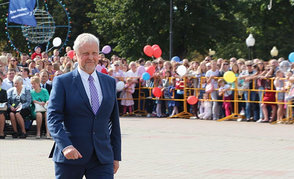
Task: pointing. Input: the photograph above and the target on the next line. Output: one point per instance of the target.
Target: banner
(21, 12)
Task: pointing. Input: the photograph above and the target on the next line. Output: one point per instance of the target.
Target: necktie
(94, 95)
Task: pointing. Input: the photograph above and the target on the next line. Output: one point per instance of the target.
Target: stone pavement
(174, 148)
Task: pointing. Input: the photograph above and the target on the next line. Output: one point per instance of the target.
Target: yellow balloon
(229, 77)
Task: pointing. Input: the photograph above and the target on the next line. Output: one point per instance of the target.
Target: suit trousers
(92, 170)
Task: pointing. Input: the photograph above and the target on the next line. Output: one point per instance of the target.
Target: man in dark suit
(44, 76)
(83, 118)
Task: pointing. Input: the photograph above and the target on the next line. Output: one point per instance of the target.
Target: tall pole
(171, 29)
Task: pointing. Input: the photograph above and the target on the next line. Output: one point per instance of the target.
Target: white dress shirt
(85, 77)
(27, 83)
(7, 84)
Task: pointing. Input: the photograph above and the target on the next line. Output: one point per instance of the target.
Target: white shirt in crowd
(215, 73)
(27, 83)
(85, 77)
(130, 73)
(227, 93)
(7, 84)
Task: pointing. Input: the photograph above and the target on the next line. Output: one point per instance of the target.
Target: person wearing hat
(248, 76)
(36, 53)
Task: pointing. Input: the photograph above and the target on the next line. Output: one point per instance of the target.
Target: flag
(21, 12)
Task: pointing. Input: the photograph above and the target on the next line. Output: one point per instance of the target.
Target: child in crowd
(166, 84)
(126, 96)
(226, 92)
(205, 108)
(158, 83)
(280, 86)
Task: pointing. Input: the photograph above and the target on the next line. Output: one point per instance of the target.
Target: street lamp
(274, 52)
(250, 42)
(211, 52)
(170, 29)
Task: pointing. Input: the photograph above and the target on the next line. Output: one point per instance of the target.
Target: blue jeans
(215, 106)
(260, 95)
(251, 106)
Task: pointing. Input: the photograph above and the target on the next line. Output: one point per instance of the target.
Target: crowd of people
(26, 85)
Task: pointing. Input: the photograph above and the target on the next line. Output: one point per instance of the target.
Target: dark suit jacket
(71, 120)
(3, 96)
(48, 87)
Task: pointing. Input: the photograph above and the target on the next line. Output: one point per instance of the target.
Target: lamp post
(250, 42)
(211, 52)
(171, 29)
(274, 51)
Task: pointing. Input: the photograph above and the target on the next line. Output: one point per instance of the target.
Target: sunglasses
(249, 65)
(226, 64)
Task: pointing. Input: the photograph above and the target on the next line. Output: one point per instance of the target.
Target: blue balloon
(176, 59)
(146, 76)
(291, 57)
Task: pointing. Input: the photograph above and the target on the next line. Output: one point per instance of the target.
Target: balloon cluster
(153, 50)
(149, 72)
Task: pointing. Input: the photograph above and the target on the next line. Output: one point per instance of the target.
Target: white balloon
(120, 86)
(285, 66)
(56, 41)
(181, 70)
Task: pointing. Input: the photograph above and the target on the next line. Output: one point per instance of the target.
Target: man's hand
(72, 153)
(115, 166)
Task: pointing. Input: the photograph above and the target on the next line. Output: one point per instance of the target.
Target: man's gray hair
(83, 38)
(18, 79)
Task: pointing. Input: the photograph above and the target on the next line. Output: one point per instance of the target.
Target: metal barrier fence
(192, 91)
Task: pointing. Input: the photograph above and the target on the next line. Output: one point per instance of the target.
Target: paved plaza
(174, 148)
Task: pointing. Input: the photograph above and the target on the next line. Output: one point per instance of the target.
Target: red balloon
(155, 46)
(148, 50)
(157, 52)
(104, 71)
(151, 70)
(156, 92)
(192, 100)
(71, 54)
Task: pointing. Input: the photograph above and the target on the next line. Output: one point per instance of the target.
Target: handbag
(39, 108)
(209, 88)
(3, 106)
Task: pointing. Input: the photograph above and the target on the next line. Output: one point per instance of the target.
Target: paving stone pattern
(156, 148)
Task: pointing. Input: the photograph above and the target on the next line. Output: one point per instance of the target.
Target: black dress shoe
(2, 136)
(14, 135)
(23, 136)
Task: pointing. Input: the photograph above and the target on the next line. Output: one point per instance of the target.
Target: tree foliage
(222, 25)
(129, 25)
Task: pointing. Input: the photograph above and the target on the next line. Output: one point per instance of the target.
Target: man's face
(133, 67)
(88, 56)
(38, 50)
(44, 77)
(56, 53)
(10, 75)
(24, 73)
(24, 58)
